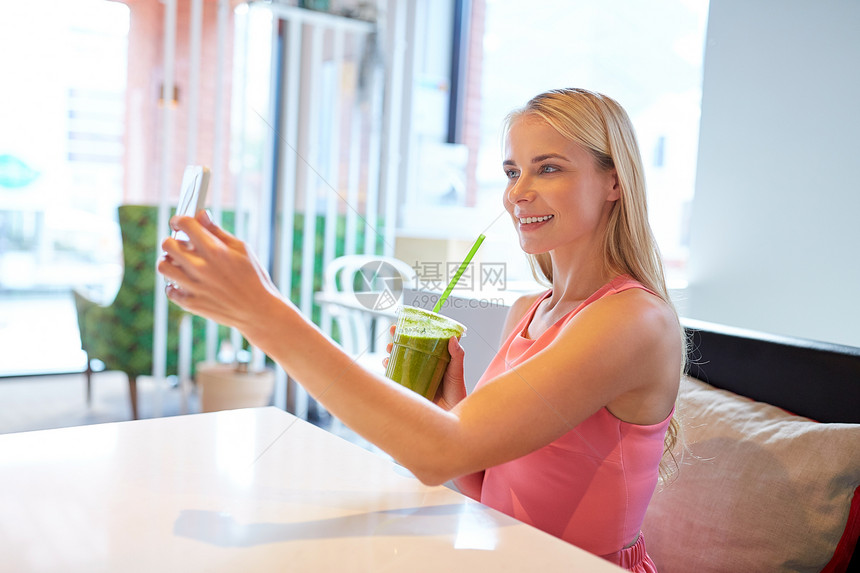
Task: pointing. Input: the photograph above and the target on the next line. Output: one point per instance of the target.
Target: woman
(566, 428)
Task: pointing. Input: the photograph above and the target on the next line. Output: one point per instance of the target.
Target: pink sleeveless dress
(591, 486)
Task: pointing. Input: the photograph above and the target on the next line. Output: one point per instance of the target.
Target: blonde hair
(600, 125)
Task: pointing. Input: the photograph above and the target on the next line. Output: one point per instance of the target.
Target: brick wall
(144, 123)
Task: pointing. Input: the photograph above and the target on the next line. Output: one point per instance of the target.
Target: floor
(31, 403)
(41, 363)
(59, 401)
(42, 385)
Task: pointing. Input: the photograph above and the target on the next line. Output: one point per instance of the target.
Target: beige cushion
(762, 491)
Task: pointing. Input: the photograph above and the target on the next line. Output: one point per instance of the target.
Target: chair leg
(132, 394)
(89, 376)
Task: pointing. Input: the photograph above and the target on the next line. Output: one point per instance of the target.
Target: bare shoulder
(647, 312)
(646, 336)
(642, 320)
(523, 303)
(517, 311)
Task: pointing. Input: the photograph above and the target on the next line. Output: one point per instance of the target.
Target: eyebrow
(539, 158)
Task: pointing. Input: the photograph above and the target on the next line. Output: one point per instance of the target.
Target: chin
(532, 249)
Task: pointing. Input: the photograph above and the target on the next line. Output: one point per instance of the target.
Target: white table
(243, 490)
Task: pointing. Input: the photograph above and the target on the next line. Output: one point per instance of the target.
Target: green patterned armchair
(120, 335)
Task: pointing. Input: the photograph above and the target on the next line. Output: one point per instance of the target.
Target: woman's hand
(214, 274)
(453, 386)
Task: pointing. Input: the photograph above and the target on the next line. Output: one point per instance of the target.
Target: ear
(614, 193)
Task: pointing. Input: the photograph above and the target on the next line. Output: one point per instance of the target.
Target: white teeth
(527, 220)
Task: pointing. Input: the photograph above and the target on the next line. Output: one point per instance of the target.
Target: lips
(528, 220)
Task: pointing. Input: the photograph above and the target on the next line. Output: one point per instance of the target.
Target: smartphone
(192, 194)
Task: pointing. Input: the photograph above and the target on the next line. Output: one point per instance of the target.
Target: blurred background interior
(373, 127)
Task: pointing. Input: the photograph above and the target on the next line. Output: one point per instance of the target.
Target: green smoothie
(419, 354)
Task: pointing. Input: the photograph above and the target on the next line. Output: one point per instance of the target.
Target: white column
(159, 335)
(217, 180)
(291, 72)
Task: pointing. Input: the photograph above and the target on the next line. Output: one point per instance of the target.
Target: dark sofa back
(813, 379)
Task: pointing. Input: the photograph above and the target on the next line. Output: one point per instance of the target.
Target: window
(61, 146)
(646, 55)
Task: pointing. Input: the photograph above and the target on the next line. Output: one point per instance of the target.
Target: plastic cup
(419, 353)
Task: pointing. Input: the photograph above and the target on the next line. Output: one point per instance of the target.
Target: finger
(174, 248)
(175, 220)
(198, 236)
(179, 256)
(175, 294)
(173, 272)
(392, 329)
(183, 298)
(385, 362)
(227, 238)
(455, 348)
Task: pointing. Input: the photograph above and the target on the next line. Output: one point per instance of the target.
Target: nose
(518, 191)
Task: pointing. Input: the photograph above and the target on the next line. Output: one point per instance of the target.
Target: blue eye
(548, 169)
(511, 173)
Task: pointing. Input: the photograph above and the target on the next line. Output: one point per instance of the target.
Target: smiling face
(556, 195)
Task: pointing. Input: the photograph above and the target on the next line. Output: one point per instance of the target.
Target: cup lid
(436, 320)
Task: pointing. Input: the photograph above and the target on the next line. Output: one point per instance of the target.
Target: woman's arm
(592, 362)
